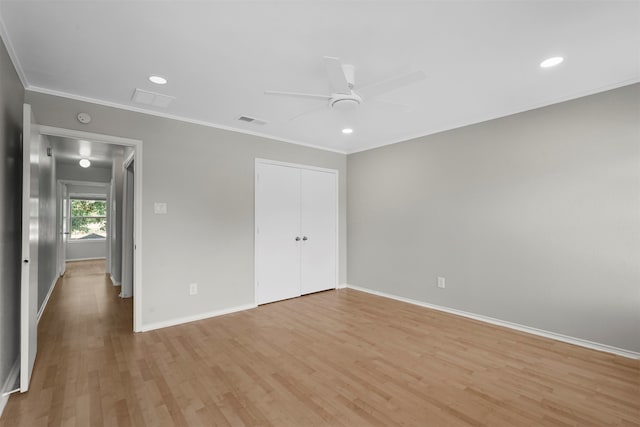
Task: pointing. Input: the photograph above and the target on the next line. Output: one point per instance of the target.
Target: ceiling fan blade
(391, 84)
(304, 113)
(336, 75)
(393, 106)
(298, 94)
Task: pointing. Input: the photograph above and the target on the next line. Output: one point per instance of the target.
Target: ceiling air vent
(253, 120)
(151, 98)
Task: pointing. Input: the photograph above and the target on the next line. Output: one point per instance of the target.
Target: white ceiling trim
(173, 117)
(95, 137)
(12, 54)
(625, 82)
(84, 183)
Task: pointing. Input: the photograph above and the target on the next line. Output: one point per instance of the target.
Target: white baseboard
(85, 259)
(342, 286)
(179, 321)
(8, 384)
(522, 328)
(114, 281)
(46, 299)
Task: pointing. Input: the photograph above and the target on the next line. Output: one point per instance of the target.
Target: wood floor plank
(336, 358)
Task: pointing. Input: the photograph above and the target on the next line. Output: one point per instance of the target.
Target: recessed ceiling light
(551, 62)
(85, 163)
(158, 80)
(347, 131)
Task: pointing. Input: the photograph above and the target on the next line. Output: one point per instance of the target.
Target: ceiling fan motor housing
(341, 101)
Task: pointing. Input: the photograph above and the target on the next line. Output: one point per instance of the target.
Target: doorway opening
(52, 160)
(83, 220)
(100, 206)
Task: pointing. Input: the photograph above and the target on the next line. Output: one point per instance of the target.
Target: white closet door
(277, 227)
(319, 216)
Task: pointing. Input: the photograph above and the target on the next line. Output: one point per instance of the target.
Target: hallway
(81, 337)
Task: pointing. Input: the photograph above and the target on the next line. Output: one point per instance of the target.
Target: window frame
(72, 217)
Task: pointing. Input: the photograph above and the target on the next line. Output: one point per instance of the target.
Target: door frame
(61, 221)
(126, 208)
(255, 218)
(136, 144)
(106, 186)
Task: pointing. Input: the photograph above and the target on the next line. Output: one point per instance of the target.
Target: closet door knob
(297, 238)
(305, 238)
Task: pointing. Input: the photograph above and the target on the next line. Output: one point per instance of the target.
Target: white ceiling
(480, 58)
(70, 151)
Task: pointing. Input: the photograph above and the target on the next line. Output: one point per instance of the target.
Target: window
(88, 219)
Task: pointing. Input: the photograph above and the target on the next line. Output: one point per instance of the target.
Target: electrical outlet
(441, 283)
(193, 289)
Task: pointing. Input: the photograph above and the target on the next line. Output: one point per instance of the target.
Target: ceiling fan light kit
(344, 102)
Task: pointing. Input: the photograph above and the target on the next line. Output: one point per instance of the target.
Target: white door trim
(136, 144)
(263, 161)
(106, 186)
(128, 160)
(295, 165)
(60, 227)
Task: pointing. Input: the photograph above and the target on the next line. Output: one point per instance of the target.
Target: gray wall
(206, 177)
(88, 190)
(86, 249)
(47, 223)
(11, 100)
(77, 173)
(532, 218)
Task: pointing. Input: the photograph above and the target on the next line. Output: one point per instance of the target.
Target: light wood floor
(340, 358)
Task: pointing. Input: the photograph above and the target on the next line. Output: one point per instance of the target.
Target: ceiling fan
(343, 97)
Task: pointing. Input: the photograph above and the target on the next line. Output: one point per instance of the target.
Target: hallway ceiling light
(347, 131)
(551, 62)
(85, 163)
(158, 80)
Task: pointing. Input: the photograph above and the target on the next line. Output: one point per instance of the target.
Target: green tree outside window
(88, 219)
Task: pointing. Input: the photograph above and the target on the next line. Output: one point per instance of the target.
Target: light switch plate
(160, 208)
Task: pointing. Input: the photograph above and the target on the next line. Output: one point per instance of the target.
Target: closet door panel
(277, 226)
(319, 227)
